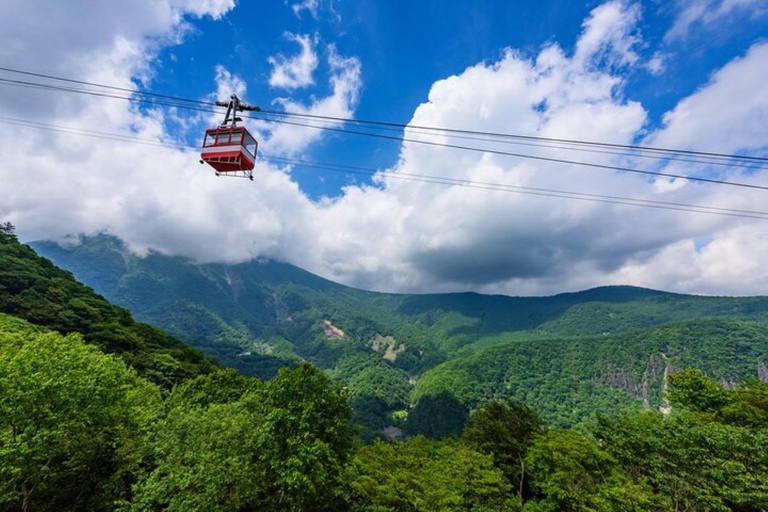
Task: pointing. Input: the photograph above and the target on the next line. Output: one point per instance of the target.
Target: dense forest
(33, 288)
(569, 356)
(81, 430)
(99, 412)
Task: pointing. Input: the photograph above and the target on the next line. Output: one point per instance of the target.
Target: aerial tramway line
(231, 149)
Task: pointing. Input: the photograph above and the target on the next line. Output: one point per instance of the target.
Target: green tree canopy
(70, 418)
(424, 475)
(34, 289)
(280, 446)
(505, 431)
(437, 417)
(570, 472)
(691, 389)
(221, 386)
(696, 461)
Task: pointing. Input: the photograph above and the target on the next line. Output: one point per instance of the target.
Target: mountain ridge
(260, 315)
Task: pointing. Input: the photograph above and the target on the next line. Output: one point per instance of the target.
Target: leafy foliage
(570, 472)
(278, 446)
(70, 419)
(437, 417)
(79, 430)
(424, 475)
(568, 381)
(692, 389)
(505, 431)
(703, 457)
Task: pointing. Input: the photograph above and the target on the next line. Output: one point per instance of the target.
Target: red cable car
(230, 149)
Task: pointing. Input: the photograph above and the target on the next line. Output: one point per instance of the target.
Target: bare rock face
(333, 332)
(645, 388)
(389, 345)
(762, 371)
(393, 432)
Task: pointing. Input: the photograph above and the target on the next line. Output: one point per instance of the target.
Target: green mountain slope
(34, 289)
(570, 379)
(259, 315)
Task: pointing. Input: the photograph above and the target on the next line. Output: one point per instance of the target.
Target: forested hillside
(81, 431)
(569, 380)
(33, 288)
(571, 355)
(91, 420)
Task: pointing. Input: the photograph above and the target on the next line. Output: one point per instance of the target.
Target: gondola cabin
(230, 151)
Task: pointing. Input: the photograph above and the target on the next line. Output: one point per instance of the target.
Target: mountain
(583, 352)
(32, 288)
(570, 380)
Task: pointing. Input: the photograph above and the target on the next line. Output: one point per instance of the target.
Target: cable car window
(250, 144)
(237, 137)
(223, 138)
(210, 139)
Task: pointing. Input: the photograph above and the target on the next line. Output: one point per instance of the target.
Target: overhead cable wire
(518, 136)
(608, 151)
(111, 87)
(406, 139)
(527, 156)
(511, 188)
(406, 126)
(418, 141)
(132, 98)
(520, 155)
(446, 181)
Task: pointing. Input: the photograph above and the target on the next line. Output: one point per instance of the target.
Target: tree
(749, 405)
(280, 446)
(424, 475)
(305, 441)
(437, 417)
(70, 417)
(206, 460)
(221, 386)
(505, 431)
(34, 289)
(7, 232)
(572, 473)
(694, 462)
(691, 389)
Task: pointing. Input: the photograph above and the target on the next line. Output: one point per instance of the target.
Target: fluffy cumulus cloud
(345, 81)
(732, 109)
(400, 235)
(297, 71)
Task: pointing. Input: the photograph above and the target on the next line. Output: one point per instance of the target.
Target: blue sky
(404, 47)
(690, 74)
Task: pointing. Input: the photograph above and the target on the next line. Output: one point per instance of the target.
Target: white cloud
(216, 9)
(610, 32)
(731, 264)
(400, 235)
(705, 13)
(727, 115)
(657, 64)
(310, 6)
(228, 84)
(106, 42)
(345, 81)
(295, 72)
